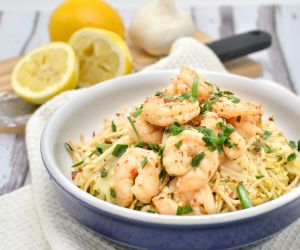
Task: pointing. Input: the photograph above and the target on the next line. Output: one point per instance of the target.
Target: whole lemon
(73, 15)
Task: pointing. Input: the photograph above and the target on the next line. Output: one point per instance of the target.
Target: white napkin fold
(31, 218)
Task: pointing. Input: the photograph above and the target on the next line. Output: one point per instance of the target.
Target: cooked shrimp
(184, 83)
(247, 126)
(199, 176)
(165, 205)
(227, 109)
(210, 120)
(205, 197)
(133, 179)
(146, 132)
(177, 158)
(170, 90)
(238, 146)
(164, 112)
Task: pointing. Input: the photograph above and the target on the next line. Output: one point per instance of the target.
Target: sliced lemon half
(102, 55)
(45, 72)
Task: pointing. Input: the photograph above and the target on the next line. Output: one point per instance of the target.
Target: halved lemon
(102, 55)
(45, 72)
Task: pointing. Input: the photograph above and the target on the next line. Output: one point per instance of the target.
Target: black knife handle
(241, 45)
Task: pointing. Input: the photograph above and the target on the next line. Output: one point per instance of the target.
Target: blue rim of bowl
(142, 217)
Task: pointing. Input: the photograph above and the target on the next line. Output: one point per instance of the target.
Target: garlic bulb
(156, 26)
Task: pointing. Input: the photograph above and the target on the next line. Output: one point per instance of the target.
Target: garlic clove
(155, 26)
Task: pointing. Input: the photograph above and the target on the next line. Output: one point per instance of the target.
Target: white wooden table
(22, 30)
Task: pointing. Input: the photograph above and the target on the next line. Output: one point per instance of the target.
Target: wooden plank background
(21, 31)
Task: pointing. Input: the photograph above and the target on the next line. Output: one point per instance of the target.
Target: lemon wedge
(102, 55)
(45, 72)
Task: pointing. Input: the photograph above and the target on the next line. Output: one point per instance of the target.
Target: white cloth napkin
(31, 218)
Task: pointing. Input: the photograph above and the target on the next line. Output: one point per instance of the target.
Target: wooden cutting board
(242, 66)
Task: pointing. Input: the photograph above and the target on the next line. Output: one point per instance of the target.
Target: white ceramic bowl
(85, 114)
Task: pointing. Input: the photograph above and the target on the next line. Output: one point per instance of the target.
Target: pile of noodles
(265, 174)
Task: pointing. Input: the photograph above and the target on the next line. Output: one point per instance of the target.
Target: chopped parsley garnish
(77, 164)
(158, 93)
(113, 127)
(133, 126)
(172, 195)
(259, 176)
(298, 146)
(233, 99)
(197, 159)
(103, 173)
(119, 150)
(112, 192)
(68, 147)
(206, 106)
(291, 157)
(176, 129)
(144, 162)
(185, 97)
(162, 174)
(214, 142)
(181, 210)
(178, 144)
(219, 93)
(138, 111)
(153, 147)
(195, 87)
(266, 135)
(150, 211)
(101, 147)
(292, 144)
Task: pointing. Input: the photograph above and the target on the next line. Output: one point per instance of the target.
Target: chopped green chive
(103, 172)
(133, 126)
(259, 176)
(150, 211)
(68, 147)
(138, 111)
(181, 210)
(119, 150)
(172, 195)
(266, 134)
(266, 148)
(195, 87)
(176, 129)
(178, 144)
(92, 153)
(112, 192)
(197, 159)
(101, 147)
(243, 196)
(160, 151)
(298, 146)
(292, 144)
(113, 127)
(291, 157)
(77, 164)
(144, 162)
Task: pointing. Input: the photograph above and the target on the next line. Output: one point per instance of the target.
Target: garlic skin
(155, 26)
